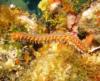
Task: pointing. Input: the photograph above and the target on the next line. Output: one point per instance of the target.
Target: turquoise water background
(29, 5)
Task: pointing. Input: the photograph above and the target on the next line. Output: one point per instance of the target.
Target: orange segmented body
(46, 38)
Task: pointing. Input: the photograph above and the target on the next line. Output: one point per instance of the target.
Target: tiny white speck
(12, 6)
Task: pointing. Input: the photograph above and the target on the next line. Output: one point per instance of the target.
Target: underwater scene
(49, 40)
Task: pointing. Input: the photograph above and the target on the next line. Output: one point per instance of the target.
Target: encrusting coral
(47, 48)
(61, 65)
